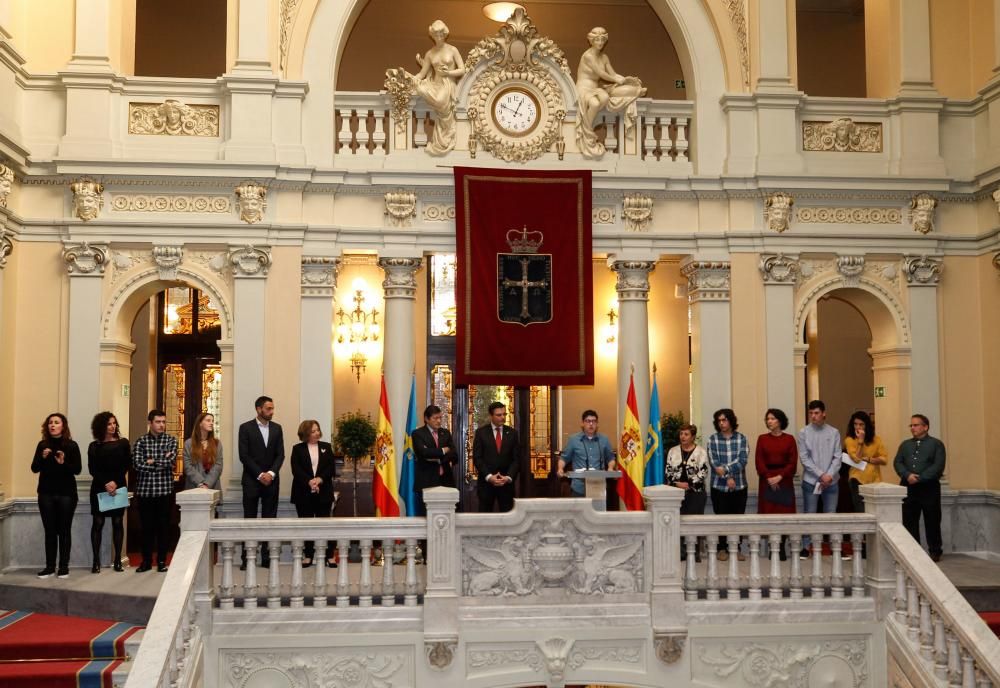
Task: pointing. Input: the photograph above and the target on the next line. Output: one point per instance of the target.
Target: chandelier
(358, 329)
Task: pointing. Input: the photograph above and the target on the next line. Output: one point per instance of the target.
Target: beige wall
(845, 367)
(44, 34)
(749, 353)
(990, 322)
(882, 47)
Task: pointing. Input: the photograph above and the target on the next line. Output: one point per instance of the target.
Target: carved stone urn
(554, 557)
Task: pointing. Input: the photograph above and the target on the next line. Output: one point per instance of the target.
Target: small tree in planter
(355, 439)
(670, 428)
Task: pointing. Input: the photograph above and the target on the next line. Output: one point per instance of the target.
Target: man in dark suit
(496, 450)
(262, 451)
(434, 450)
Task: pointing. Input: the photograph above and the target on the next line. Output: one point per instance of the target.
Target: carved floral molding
(85, 258)
(782, 662)
(400, 207)
(438, 212)
(288, 9)
(6, 247)
(637, 209)
(849, 216)
(173, 118)
(738, 20)
(368, 668)
(842, 135)
(170, 203)
(6, 183)
(602, 215)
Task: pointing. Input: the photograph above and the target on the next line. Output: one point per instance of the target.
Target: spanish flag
(385, 489)
(630, 454)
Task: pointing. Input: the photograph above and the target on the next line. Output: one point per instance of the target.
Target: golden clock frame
(524, 90)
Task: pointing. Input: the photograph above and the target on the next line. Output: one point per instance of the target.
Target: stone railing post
(885, 502)
(667, 590)
(197, 512)
(443, 577)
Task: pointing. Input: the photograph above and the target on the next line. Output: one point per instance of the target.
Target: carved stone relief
(167, 259)
(556, 655)
(603, 215)
(778, 269)
(922, 208)
(440, 654)
(632, 278)
(738, 20)
(851, 268)
(637, 209)
(6, 184)
(552, 555)
(784, 662)
(708, 280)
(288, 8)
(249, 261)
(778, 211)
(6, 246)
(438, 212)
(173, 118)
(669, 646)
(85, 258)
(996, 261)
(996, 199)
(400, 207)
(88, 198)
(922, 270)
(171, 203)
(849, 216)
(319, 275)
(400, 276)
(252, 199)
(364, 668)
(842, 135)
(481, 661)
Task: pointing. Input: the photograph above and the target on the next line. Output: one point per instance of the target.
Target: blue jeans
(810, 503)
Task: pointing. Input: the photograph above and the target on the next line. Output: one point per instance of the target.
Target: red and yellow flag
(630, 455)
(385, 489)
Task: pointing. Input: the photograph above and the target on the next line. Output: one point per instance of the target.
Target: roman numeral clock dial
(516, 112)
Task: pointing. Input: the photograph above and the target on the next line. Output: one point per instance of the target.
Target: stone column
(776, 52)
(884, 501)
(319, 282)
(249, 266)
(88, 80)
(398, 355)
(711, 357)
(777, 97)
(633, 333)
(915, 48)
(444, 568)
(253, 30)
(779, 273)
(922, 276)
(251, 86)
(197, 512)
(664, 502)
(85, 264)
(91, 35)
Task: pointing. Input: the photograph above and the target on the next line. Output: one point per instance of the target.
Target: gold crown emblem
(524, 241)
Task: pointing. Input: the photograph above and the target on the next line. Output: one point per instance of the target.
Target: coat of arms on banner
(524, 280)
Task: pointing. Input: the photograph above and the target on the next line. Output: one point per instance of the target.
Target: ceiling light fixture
(500, 11)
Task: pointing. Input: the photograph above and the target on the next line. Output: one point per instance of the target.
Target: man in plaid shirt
(727, 455)
(153, 458)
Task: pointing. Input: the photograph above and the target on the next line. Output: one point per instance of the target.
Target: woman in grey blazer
(203, 455)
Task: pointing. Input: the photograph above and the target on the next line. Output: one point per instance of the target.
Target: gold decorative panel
(441, 389)
(480, 398)
(174, 384)
(211, 391)
(842, 135)
(178, 311)
(173, 118)
(444, 312)
(541, 432)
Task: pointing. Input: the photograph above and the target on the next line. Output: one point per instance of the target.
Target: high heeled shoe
(96, 568)
(117, 566)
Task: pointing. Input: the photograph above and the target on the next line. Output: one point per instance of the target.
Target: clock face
(516, 112)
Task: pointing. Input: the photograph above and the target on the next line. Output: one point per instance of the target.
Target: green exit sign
(678, 83)
(880, 391)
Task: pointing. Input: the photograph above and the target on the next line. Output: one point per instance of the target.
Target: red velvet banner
(524, 287)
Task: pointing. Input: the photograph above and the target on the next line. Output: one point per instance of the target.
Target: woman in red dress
(776, 458)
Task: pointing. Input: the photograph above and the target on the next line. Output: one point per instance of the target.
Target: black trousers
(57, 520)
(315, 507)
(924, 498)
(502, 497)
(154, 516)
(728, 503)
(266, 496)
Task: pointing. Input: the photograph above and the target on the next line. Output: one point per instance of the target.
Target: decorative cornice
(85, 259)
(637, 209)
(6, 183)
(319, 276)
(400, 277)
(849, 215)
(400, 207)
(632, 278)
(707, 280)
(851, 268)
(922, 271)
(249, 261)
(778, 269)
(167, 259)
(171, 203)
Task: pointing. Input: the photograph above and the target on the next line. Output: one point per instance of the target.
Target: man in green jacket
(920, 464)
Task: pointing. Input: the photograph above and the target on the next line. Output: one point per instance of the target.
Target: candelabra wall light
(607, 333)
(358, 329)
(611, 329)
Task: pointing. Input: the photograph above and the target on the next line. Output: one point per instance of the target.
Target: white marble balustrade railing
(766, 572)
(371, 580)
(955, 647)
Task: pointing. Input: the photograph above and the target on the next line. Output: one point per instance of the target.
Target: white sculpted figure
(599, 87)
(778, 211)
(88, 199)
(252, 201)
(922, 208)
(6, 183)
(440, 69)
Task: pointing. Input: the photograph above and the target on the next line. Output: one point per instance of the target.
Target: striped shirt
(730, 454)
(154, 479)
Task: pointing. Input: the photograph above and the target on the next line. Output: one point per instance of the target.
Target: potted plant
(355, 439)
(670, 429)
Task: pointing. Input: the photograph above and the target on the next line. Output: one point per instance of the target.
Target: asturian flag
(654, 439)
(630, 454)
(385, 490)
(406, 492)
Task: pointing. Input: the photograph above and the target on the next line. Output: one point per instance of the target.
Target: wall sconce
(611, 331)
(500, 11)
(358, 328)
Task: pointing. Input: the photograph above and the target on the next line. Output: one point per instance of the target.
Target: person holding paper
(108, 459)
(57, 463)
(920, 463)
(865, 454)
(819, 450)
(586, 450)
(153, 457)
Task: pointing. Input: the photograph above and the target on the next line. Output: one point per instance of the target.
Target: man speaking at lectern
(495, 453)
(587, 449)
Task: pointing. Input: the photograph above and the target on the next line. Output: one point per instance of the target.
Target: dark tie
(499, 440)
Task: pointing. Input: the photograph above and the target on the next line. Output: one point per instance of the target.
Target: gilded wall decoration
(287, 19)
(438, 212)
(363, 668)
(738, 20)
(170, 203)
(603, 215)
(637, 209)
(6, 184)
(778, 211)
(173, 118)
(842, 135)
(849, 216)
(400, 207)
(252, 200)
(88, 198)
(922, 208)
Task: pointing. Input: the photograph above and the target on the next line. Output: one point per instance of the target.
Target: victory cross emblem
(524, 280)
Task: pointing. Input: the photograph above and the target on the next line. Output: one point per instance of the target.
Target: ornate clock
(516, 106)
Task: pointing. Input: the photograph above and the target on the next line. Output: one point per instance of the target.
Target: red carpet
(992, 620)
(56, 651)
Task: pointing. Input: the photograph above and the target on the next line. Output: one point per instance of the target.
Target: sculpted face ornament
(252, 199)
(778, 211)
(922, 209)
(6, 183)
(87, 199)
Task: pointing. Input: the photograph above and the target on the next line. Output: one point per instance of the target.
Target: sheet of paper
(860, 465)
(818, 489)
(106, 502)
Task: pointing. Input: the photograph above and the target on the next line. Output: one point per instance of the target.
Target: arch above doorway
(879, 305)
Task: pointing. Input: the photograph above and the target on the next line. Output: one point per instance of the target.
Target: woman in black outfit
(108, 459)
(57, 462)
(312, 481)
